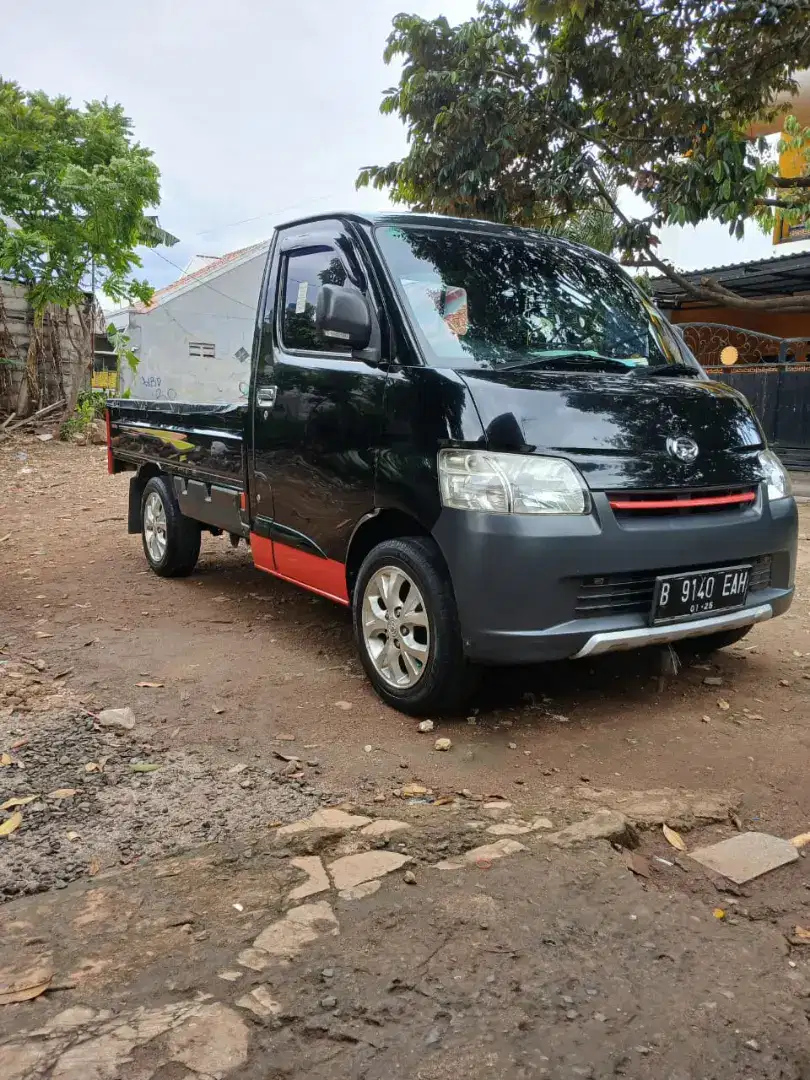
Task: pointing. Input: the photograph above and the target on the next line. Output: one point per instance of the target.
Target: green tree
(594, 225)
(74, 188)
(518, 114)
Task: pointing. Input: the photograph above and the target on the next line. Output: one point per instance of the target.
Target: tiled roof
(199, 276)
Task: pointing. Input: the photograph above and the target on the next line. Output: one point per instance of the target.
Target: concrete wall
(220, 311)
(64, 364)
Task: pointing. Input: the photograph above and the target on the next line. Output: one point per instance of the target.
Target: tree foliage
(74, 188)
(517, 115)
(594, 225)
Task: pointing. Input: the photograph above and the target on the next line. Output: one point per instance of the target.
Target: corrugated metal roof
(753, 264)
(780, 275)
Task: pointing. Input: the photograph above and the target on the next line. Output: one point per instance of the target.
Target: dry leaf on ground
(11, 803)
(801, 840)
(411, 790)
(5, 759)
(801, 933)
(63, 793)
(25, 987)
(723, 704)
(144, 766)
(637, 863)
(674, 838)
(151, 685)
(10, 824)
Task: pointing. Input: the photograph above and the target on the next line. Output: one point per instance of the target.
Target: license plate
(688, 596)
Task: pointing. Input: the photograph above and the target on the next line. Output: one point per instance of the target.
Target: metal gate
(772, 372)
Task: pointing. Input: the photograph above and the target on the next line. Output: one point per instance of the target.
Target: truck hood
(615, 427)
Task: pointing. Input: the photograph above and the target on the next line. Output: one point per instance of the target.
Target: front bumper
(517, 578)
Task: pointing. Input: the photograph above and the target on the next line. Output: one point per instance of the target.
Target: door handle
(266, 397)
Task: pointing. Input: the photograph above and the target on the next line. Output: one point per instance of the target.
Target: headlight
(511, 483)
(775, 475)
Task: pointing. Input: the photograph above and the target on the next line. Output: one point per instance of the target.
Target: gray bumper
(617, 640)
(517, 579)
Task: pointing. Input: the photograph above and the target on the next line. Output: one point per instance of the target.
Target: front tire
(407, 628)
(171, 541)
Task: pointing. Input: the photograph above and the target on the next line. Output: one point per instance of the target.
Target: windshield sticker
(494, 299)
(301, 300)
(447, 301)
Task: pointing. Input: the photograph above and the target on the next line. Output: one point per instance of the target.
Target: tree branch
(712, 291)
(789, 181)
(708, 289)
(781, 204)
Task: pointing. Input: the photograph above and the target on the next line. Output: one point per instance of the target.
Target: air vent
(202, 348)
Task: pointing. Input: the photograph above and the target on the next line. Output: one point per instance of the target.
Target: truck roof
(407, 217)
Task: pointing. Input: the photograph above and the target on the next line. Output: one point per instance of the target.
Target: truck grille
(624, 594)
(665, 503)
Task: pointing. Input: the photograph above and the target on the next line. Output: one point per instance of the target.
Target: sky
(257, 110)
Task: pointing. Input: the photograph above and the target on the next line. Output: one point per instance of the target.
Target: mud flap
(136, 486)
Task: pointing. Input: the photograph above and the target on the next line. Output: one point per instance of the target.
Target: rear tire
(709, 643)
(171, 541)
(407, 629)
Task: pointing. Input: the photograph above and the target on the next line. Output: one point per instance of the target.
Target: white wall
(219, 311)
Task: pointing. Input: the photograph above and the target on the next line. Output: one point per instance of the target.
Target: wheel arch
(373, 529)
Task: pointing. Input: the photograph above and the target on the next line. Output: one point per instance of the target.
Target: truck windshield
(489, 300)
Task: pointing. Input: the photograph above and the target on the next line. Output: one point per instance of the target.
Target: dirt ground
(475, 972)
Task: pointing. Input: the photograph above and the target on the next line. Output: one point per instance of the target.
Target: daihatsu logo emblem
(683, 448)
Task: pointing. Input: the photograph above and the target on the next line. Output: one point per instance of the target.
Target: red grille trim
(683, 504)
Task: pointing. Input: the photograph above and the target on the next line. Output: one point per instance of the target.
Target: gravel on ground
(94, 797)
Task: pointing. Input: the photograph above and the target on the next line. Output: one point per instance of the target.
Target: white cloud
(709, 244)
(252, 108)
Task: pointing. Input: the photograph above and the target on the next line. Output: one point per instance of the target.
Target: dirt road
(243, 659)
(527, 967)
(470, 972)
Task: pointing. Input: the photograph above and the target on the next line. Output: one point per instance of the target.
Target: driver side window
(304, 274)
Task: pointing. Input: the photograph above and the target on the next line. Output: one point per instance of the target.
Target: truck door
(318, 414)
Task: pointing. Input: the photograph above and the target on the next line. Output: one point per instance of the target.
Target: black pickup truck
(486, 442)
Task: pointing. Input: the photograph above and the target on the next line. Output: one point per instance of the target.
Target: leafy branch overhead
(74, 188)
(533, 112)
(122, 347)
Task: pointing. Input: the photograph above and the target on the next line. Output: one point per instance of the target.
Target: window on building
(205, 349)
(305, 273)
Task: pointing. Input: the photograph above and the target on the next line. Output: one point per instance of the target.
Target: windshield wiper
(564, 358)
(669, 369)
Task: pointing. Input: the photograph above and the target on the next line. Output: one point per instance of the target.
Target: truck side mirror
(342, 315)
